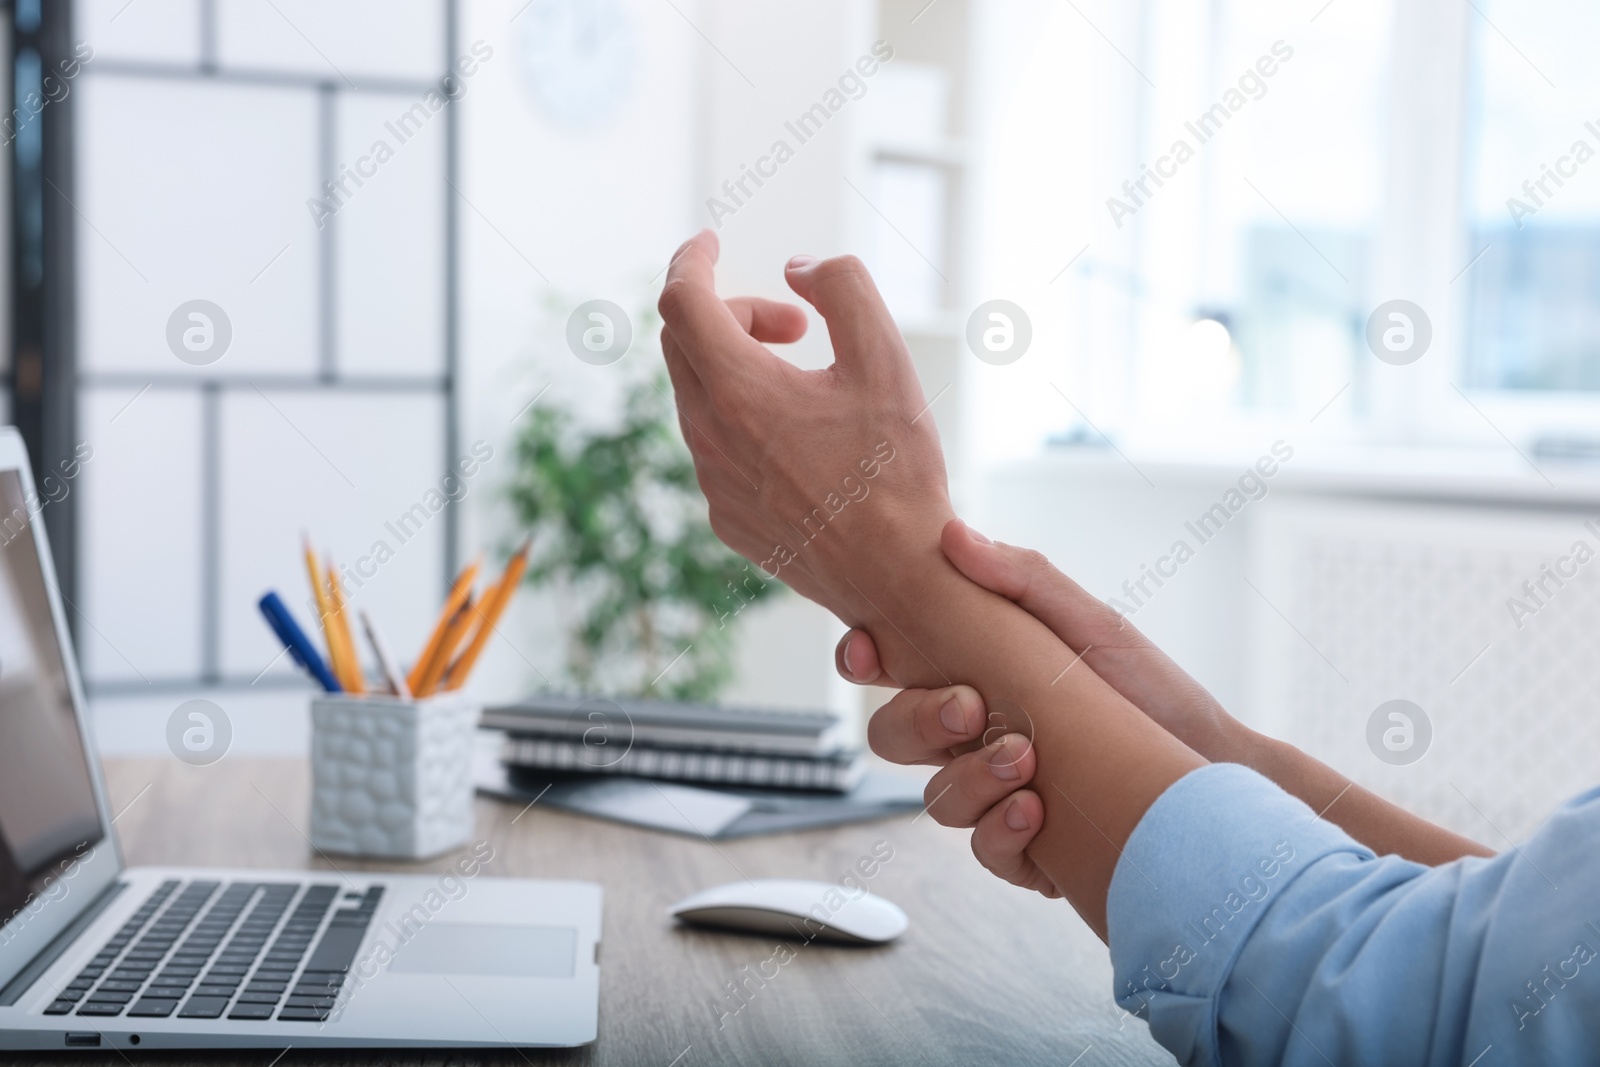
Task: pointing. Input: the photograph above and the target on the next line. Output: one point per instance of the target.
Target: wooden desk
(987, 974)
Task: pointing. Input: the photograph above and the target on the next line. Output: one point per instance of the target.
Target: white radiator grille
(1360, 603)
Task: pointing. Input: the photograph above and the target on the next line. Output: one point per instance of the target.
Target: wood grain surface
(987, 973)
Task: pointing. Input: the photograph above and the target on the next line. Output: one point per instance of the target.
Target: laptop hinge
(54, 950)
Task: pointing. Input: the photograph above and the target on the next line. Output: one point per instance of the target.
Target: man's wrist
(1250, 748)
(1291, 769)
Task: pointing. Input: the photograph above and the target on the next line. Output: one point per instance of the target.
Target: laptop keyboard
(209, 950)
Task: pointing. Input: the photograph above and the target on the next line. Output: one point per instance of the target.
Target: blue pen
(294, 638)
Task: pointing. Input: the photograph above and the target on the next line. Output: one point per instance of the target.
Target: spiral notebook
(716, 812)
(673, 724)
(836, 772)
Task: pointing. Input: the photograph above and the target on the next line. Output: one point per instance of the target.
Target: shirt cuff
(1206, 861)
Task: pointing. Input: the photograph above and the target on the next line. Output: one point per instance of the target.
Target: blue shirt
(1245, 930)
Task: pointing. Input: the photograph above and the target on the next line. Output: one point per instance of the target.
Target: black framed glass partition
(243, 312)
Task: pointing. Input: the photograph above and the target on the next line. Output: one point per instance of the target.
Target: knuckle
(1019, 753)
(721, 527)
(922, 712)
(1029, 570)
(671, 302)
(943, 801)
(842, 267)
(1033, 571)
(839, 664)
(995, 861)
(735, 412)
(693, 440)
(1032, 562)
(886, 730)
(875, 741)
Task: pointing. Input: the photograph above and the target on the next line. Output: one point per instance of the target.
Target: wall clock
(578, 59)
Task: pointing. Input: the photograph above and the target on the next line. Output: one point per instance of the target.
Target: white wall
(1101, 522)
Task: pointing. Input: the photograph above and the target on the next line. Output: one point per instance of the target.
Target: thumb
(856, 658)
(1027, 578)
(860, 327)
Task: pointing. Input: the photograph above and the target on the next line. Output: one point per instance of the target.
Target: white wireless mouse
(791, 907)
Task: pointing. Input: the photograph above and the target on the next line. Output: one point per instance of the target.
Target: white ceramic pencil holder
(391, 778)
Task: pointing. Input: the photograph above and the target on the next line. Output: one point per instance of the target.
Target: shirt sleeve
(1246, 930)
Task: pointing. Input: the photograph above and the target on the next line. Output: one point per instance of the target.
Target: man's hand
(835, 477)
(1107, 642)
(825, 479)
(982, 783)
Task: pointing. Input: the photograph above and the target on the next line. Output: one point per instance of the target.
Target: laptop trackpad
(469, 948)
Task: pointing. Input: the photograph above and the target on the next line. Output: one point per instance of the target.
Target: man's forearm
(1100, 762)
(1163, 691)
(1383, 827)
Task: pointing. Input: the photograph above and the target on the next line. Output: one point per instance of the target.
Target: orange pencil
(460, 589)
(489, 611)
(339, 623)
(447, 646)
(320, 592)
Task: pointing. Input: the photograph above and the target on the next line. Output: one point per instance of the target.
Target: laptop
(94, 954)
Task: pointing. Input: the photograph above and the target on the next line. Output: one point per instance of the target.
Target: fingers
(859, 323)
(1026, 577)
(1003, 834)
(856, 658)
(693, 407)
(769, 321)
(979, 788)
(922, 725)
(688, 393)
(704, 327)
(972, 783)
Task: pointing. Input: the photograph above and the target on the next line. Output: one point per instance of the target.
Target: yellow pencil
(320, 592)
(460, 589)
(340, 624)
(489, 611)
(447, 646)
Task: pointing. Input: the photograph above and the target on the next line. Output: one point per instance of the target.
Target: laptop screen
(48, 816)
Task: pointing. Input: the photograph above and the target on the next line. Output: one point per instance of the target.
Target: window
(1200, 205)
(1533, 198)
(1223, 200)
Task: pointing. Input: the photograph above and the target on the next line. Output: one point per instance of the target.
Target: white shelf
(1464, 474)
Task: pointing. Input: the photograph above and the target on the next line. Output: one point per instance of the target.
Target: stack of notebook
(679, 741)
